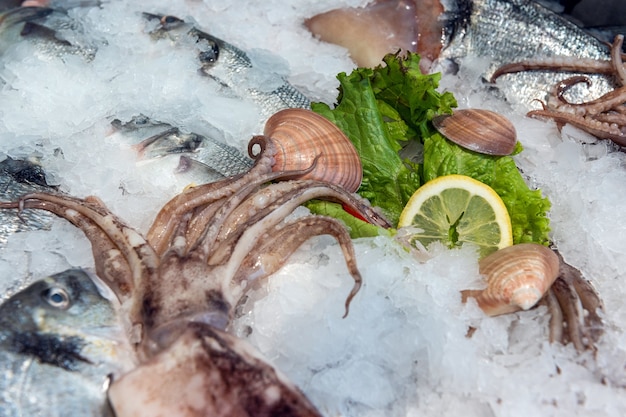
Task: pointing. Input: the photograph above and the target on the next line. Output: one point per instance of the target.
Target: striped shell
(517, 278)
(301, 135)
(481, 131)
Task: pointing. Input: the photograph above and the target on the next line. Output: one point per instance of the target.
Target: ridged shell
(481, 131)
(302, 135)
(517, 277)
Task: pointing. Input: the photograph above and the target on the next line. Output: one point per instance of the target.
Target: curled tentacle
(207, 222)
(607, 102)
(568, 83)
(272, 254)
(616, 59)
(597, 128)
(162, 228)
(103, 227)
(291, 196)
(253, 231)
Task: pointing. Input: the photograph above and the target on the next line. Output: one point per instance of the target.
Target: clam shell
(517, 278)
(481, 131)
(302, 135)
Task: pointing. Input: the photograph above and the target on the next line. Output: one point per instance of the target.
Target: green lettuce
(387, 110)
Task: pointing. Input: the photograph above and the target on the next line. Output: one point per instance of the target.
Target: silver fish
(448, 34)
(18, 177)
(60, 343)
(231, 68)
(505, 31)
(58, 35)
(51, 31)
(201, 157)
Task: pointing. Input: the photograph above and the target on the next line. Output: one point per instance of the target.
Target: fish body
(60, 343)
(11, 22)
(506, 31)
(231, 68)
(477, 37)
(201, 157)
(19, 177)
(52, 32)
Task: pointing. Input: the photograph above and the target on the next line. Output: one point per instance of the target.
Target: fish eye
(57, 298)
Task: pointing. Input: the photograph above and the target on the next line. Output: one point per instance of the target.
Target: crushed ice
(409, 347)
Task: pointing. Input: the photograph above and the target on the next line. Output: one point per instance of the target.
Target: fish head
(65, 321)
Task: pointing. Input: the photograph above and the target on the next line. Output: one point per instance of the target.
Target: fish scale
(512, 30)
(52, 351)
(19, 177)
(232, 68)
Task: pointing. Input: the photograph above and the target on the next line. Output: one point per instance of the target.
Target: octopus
(178, 286)
(603, 117)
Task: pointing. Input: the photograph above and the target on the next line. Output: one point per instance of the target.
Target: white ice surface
(403, 350)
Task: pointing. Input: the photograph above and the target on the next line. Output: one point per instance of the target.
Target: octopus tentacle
(612, 117)
(141, 259)
(616, 59)
(206, 224)
(572, 312)
(589, 299)
(253, 231)
(556, 316)
(605, 103)
(560, 64)
(597, 117)
(165, 222)
(568, 83)
(294, 194)
(110, 264)
(575, 307)
(594, 127)
(270, 256)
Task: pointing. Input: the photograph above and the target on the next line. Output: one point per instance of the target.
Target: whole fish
(60, 343)
(506, 31)
(231, 67)
(202, 158)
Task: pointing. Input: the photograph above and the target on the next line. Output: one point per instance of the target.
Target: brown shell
(481, 131)
(301, 135)
(517, 278)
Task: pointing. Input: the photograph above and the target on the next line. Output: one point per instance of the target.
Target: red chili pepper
(353, 212)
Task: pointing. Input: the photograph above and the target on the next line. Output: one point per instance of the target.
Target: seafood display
(601, 117)
(123, 137)
(475, 29)
(204, 248)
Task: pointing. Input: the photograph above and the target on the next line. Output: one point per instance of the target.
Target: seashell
(481, 131)
(517, 278)
(300, 136)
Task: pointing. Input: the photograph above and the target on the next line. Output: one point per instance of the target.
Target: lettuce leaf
(527, 208)
(388, 109)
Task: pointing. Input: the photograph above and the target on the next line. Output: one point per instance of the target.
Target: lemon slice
(457, 209)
